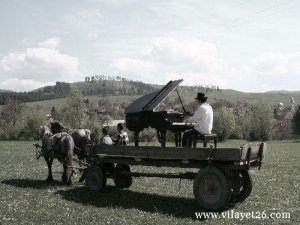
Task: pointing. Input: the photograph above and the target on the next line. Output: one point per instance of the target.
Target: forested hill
(87, 88)
(2, 90)
(123, 87)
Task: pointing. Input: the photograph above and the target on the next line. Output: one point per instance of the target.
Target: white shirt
(203, 118)
(106, 140)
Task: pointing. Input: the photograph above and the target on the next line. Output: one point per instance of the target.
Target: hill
(124, 91)
(3, 90)
(62, 89)
(234, 97)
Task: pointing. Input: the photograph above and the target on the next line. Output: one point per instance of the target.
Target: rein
(39, 153)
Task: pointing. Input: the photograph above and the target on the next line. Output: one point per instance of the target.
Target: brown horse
(61, 147)
(81, 137)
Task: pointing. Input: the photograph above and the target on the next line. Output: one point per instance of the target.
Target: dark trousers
(188, 137)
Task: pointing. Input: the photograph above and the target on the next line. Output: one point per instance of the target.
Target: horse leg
(64, 175)
(68, 171)
(49, 161)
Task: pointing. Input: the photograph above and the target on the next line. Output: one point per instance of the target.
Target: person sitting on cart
(122, 138)
(105, 140)
(203, 117)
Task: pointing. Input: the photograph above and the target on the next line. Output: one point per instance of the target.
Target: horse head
(45, 134)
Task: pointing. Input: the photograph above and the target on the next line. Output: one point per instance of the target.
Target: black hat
(120, 125)
(201, 96)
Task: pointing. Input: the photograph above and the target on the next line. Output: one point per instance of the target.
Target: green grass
(26, 199)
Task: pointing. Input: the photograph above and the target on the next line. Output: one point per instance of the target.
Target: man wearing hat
(203, 117)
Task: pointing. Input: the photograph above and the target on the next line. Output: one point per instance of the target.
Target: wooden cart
(223, 176)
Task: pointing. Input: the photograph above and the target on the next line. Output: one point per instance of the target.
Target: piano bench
(205, 138)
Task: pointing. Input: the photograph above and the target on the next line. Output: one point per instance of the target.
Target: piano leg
(161, 135)
(136, 138)
(177, 138)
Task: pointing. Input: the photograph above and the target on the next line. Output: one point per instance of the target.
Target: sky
(245, 45)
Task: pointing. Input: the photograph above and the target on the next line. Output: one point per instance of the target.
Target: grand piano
(142, 114)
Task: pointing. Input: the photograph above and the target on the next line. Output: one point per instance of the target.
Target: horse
(82, 137)
(59, 146)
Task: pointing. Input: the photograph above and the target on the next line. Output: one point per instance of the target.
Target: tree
(220, 104)
(11, 119)
(261, 125)
(296, 121)
(32, 125)
(224, 122)
(74, 112)
(12, 111)
(242, 122)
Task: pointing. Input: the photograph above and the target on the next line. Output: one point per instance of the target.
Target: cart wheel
(212, 189)
(241, 186)
(95, 179)
(123, 178)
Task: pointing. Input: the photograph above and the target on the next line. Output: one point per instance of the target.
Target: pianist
(203, 117)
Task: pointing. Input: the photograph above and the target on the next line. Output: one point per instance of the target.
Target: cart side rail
(248, 152)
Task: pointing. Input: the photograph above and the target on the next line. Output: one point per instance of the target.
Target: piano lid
(150, 101)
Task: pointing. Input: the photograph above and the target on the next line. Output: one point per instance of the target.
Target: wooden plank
(232, 154)
(168, 153)
(254, 148)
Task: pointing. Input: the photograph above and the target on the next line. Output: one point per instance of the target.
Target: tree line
(124, 87)
(100, 78)
(60, 90)
(120, 86)
(106, 85)
(200, 88)
(255, 122)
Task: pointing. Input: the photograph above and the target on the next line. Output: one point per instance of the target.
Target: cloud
(53, 42)
(169, 58)
(271, 63)
(192, 78)
(199, 63)
(137, 68)
(41, 65)
(23, 85)
(268, 71)
(195, 52)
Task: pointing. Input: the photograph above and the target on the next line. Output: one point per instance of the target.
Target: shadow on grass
(179, 207)
(29, 183)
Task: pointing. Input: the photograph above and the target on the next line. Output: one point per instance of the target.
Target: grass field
(26, 199)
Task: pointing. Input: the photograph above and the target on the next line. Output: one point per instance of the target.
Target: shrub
(32, 126)
(224, 122)
(261, 122)
(296, 121)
